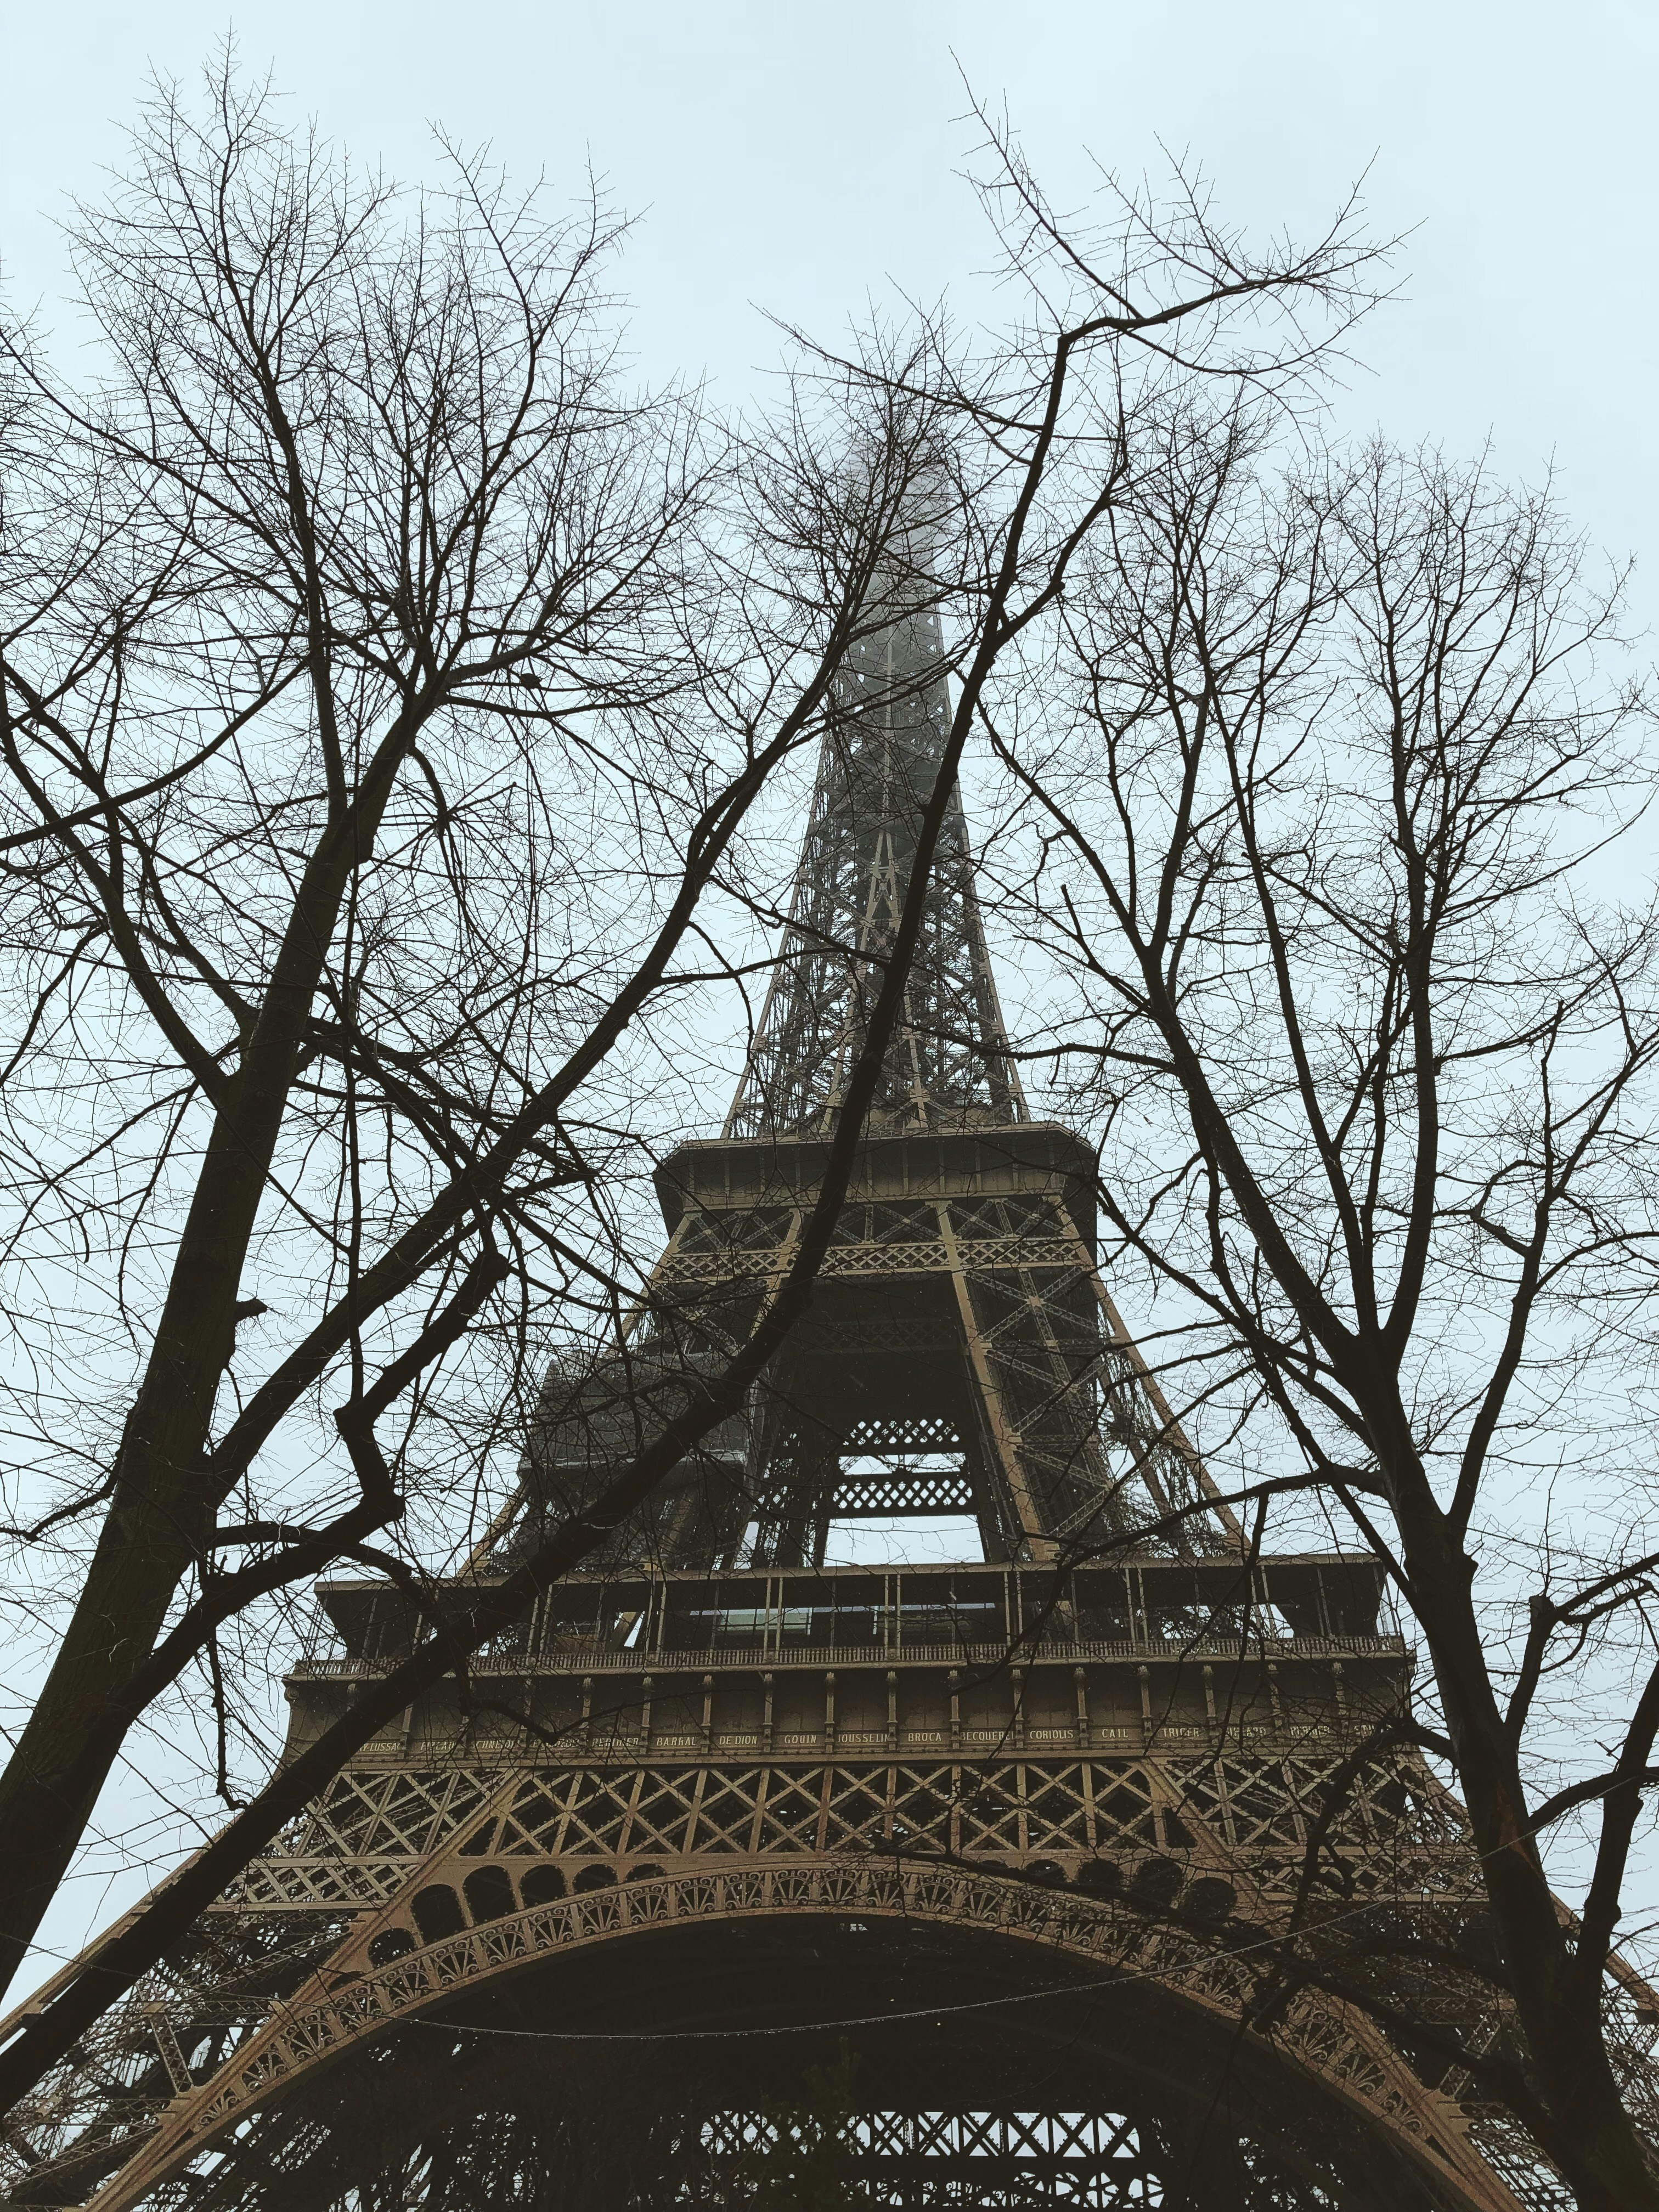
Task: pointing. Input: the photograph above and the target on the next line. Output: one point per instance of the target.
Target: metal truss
(1065, 1434)
(981, 1257)
(358, 1846)
(942, 2158)
(906, 1491)
(948, 1064)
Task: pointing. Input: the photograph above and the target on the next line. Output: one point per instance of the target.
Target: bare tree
(386, 689)
(380, 706)
(1327, 774)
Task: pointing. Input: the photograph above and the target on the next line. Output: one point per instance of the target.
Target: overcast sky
(796, 158)
(800, 159)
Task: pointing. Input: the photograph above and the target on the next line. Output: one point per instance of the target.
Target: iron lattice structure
(960, 1317)
(1023, 1836)
(947, 1066)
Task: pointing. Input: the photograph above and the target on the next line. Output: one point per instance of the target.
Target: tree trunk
(142, 1552)
(1591, 2136)
(161, 1517)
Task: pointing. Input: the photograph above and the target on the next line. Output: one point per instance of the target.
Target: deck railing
(591, 1656)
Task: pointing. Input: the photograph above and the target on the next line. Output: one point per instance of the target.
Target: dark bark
(475, 1620)
(1301, 962)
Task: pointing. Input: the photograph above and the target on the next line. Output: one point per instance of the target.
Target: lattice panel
(1124, 1815)
(538, 1812)
(1254, 1814)
(665, 1812)
(901, 1226)
(600, 1811)
(1057, 1810)
(791, 1805)
(1258, 1810)
(1010, 1213)
(901, 1435)
(856, 1808)
(319, 1884)
(371, 1815)
(940, 2157)
(911, 1491)
(728, 1816)
(761, 1230)
(1393, 1835)
(989, 1258)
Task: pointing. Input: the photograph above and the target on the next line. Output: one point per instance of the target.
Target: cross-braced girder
(959, 1292)
(947, 1066)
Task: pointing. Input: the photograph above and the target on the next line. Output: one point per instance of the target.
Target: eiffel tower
(951, 1881)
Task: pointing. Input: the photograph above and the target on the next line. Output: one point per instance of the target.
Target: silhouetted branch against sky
(389, 682)
(1325, 771)
(410, 667)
